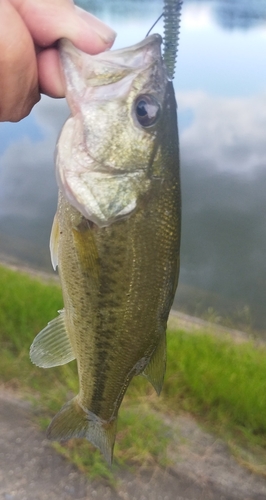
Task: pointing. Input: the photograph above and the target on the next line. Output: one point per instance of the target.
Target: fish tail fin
(72, 421)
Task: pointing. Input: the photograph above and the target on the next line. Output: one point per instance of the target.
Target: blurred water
(221, 92)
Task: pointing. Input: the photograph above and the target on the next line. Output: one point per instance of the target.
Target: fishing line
(154, 24)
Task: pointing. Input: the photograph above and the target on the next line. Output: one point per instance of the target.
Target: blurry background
(221, 92)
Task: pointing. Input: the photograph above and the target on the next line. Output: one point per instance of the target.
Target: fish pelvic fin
(155, 369)
(51, 347)
(72, 421)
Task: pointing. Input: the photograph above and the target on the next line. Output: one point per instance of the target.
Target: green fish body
(116, 234)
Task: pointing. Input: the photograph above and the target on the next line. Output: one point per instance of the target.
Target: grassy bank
(222, 383)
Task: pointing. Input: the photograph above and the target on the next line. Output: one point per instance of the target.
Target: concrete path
(30, 469)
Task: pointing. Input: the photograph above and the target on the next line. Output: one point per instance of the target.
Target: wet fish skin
(119, 265)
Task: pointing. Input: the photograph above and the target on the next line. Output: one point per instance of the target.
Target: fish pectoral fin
(87, 250)
(155, 369)
(54, 240)
(72, 421)
(51, 347)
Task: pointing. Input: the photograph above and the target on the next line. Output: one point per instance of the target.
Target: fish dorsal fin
(52, 346)
(155, 369)
(54, 240)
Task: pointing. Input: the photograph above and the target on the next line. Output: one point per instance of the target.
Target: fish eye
(147, 110)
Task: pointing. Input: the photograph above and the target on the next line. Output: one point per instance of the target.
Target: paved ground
(30, 469)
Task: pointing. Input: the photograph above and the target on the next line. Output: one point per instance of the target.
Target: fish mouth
(85, 73)
(128, 56)
(132, 56)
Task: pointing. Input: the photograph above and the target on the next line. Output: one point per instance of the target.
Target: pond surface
(221, 92)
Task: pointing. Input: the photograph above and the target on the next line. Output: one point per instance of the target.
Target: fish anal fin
(155, 369)
(54, 241)
(72, 421)
(51, 347)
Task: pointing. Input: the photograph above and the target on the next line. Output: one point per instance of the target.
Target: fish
(116, 233)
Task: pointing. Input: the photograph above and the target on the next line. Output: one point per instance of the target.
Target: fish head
(106, 148)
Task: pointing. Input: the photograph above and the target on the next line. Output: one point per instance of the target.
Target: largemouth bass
(116, 234)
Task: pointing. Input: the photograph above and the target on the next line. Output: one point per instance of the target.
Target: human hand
(29, 61)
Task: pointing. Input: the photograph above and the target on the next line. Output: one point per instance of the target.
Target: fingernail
(107, 38)
(107, 34)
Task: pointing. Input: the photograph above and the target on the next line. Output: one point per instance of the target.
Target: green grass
(218, 380)
(222, 383)
(26, 306)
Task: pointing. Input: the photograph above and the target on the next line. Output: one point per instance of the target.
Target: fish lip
(146, 41)
(66, 47)
(154, 39)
